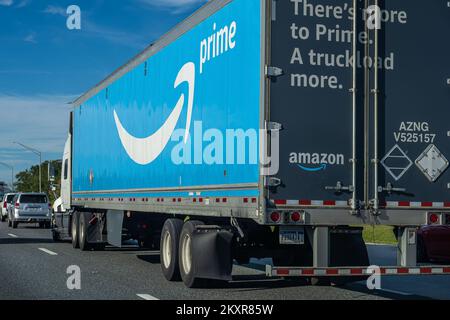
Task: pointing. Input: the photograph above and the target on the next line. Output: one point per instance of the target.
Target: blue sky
(44, 65)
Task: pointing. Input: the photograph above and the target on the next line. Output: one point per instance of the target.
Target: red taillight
(4, 204)
(275, 216)
(433, 218)
(17, 205)
(296, 216)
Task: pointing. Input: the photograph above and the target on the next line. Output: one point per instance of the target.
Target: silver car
(30, 208)
(6, 204)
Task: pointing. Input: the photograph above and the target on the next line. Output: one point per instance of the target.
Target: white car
(6, 203)
(30, 208)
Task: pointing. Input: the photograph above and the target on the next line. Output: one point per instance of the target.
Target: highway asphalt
(32, 267)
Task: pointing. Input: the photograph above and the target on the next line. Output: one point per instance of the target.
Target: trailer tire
(83, 233)
(170, 238)
(74, 230)
(187, 256)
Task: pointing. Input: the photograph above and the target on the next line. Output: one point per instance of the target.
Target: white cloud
(31, 38)
(6, 3)
(38, 121)
(175, 6)
(40, 118)
(56, 10)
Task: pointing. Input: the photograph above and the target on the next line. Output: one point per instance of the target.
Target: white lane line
(396, 292)
(147, 297)
(48, 251)
(12, 235)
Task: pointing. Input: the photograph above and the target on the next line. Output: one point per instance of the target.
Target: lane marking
(396, 292)
(147, 297)
(12, 235)
(48, 251)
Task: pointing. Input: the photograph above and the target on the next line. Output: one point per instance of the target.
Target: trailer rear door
(313, 101)
(410, 122)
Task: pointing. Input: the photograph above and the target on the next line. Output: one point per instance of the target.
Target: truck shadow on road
(250, 281)
(24, 241)
(255, 282)
(150, 258)
(361, 287)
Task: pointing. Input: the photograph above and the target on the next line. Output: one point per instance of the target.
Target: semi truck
(268, 128)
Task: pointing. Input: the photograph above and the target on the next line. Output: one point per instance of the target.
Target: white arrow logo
(144, 151)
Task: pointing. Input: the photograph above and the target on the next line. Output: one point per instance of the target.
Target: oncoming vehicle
(30, 208)
(6, 203)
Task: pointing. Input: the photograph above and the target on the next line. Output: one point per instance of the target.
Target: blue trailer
(252, 129)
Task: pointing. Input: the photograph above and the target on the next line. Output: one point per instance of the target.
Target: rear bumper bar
(355, 271)
(32, 219)
(343, 216)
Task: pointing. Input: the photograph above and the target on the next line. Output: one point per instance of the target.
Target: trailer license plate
(292, 235)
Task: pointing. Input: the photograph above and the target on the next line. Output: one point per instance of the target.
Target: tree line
(28, 180)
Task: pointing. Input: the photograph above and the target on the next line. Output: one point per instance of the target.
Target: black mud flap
(94, 228)
(348, 249)
(213, 256)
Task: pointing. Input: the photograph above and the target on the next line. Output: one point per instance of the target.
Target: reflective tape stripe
(314, 203)
(357, 271)
(415, 204)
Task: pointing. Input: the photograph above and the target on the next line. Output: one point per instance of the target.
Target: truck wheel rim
(82, 231)
(74, 229)
(167, 249)
(186, 256)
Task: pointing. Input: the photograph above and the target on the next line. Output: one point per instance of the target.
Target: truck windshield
(33, 199)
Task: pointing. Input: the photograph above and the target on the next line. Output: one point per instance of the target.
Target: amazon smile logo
(314, 169)
(144, 151)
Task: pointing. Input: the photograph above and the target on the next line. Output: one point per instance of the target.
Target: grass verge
(379, 235)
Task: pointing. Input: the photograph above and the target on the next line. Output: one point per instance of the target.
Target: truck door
(410, 106)
(318, 99)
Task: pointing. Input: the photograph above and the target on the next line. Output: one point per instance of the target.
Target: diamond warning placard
(396, 162)
(432, 163)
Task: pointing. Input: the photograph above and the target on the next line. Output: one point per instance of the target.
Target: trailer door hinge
(274, 71)
(273, 182)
